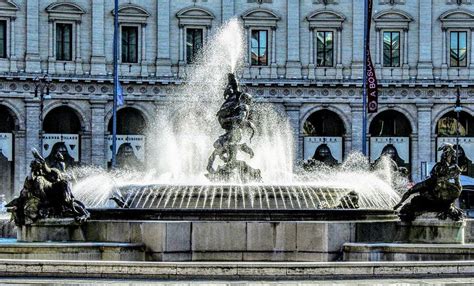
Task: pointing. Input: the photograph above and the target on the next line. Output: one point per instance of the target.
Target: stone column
(144, 63)
(98, 41)
(33, 128)
(311, 66)
(163, 60)
(424, 135)
(78, 49)
(228, 9)
(293, 111)
(444, 55)
(12, 52)
(356, 113)
(182, 51)
(32, 57)
(293, 63)
(357, 39)
(425, 63)
(98, 124)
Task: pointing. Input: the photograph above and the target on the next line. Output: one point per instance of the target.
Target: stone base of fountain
(426, 238)
(431, 230)
(51, 229)
(235, 235)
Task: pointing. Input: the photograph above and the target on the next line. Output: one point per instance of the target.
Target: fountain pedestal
(429, 229)
(51, 229)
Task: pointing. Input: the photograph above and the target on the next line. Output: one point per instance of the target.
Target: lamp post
(457, 109)
(42, 84)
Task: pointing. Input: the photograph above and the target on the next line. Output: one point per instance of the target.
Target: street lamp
(42, 84)
(457, 109)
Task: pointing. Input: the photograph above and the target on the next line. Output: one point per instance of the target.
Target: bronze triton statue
(233, 117)
(437, 193)
(45, 194)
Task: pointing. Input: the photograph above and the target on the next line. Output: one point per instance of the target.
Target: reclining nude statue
(233, 116)
(45, 194)
(437, 193)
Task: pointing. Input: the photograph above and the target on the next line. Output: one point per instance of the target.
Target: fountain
(234, 198)
(249, 167)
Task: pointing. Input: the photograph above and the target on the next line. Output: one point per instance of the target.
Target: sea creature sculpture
(437, 193)
(233, 116)
(45, 194)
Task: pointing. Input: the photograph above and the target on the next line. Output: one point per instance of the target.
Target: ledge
(233, 270)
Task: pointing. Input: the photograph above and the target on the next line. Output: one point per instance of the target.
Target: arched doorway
(130, 152)
(7, 128)
(323, 133)
(62, 129)
(446, 133)
(390, 131)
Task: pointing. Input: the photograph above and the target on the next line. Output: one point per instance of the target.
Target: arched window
(7, 127)
(448, 128)
(62, 128)
(131, 140)
(323, 133)
(390, 132)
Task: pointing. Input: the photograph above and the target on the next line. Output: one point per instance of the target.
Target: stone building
(303, 55)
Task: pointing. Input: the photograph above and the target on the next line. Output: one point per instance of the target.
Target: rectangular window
(391, 49)
(63, 42)
(458, 49)
(193, 43)
(259, 47)
(325, 48)
(129, 44)
(3, 39)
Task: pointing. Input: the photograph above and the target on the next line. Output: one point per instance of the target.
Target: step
(114, 251)
(407, 252)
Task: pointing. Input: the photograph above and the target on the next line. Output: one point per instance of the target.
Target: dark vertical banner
(371, 80)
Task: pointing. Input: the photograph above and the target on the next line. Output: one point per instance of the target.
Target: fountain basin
(246, 197)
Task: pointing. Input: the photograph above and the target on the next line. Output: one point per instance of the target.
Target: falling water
(181, 140)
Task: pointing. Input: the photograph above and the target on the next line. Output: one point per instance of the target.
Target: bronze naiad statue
(437, 193)
(45, 194)
(233, 117)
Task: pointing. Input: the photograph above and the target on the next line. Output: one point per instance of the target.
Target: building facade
(304, 56)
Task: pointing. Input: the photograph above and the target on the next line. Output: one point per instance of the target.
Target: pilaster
(98, 125)
(98, 48)
(424, 135)
(33, 128)
(357, 39)
(163, 61)
(293, 63)
(425, 62)
(32, 57)
(293, 111)
(356, 114)
(228, 9)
